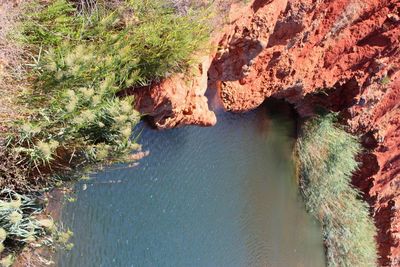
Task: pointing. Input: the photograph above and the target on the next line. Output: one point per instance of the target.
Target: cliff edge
(342, 55)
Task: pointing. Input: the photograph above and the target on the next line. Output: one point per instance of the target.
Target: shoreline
(44, 256)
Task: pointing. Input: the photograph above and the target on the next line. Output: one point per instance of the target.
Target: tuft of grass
(138, 42)
(326, 156)
(22, 222)
(17, 218)
(85, 54)
(385, 80)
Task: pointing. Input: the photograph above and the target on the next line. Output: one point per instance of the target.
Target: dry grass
(183, 6)
(12, 71)
(326, 155)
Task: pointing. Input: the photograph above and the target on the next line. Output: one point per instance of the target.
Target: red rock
(177, 100)
(295, 50)
(349, 46)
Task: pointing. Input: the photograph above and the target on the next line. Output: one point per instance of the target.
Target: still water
(221, 196)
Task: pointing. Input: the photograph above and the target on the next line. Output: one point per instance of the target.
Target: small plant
(22, 222)
(385, 80)
(326, 157)
(17, 217)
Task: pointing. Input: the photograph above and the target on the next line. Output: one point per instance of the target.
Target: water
(221, 196)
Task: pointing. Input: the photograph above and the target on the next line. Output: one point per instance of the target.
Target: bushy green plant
(83, 61)
(17, 218)
(22, 222)
(87, 128)
(138, 42)
(326, 155)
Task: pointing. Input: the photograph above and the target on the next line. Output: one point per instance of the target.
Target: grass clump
(137, 42)
(22, 222)
(17, 218)
(83, 58)
(326, 155)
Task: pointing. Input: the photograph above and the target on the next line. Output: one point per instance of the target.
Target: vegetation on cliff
(326, 156)
(76, 58)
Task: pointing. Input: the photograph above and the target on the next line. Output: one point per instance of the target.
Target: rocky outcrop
(379, 120)
(289, 49)
(177, 100)
(343, 55)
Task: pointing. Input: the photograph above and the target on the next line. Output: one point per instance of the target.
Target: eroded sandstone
(343, 55)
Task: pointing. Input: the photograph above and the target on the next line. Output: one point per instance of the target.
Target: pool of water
(220, 196)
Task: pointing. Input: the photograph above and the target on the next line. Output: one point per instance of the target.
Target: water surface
(221, 196)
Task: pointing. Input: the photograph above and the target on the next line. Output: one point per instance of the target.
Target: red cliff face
(380, 119)
(177, 100)
(343, 55)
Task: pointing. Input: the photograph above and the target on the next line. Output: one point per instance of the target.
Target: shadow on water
(220, 196)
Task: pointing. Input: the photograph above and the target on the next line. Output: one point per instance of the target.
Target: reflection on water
(221, 196)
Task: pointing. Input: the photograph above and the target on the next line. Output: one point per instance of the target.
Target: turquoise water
(220, 196)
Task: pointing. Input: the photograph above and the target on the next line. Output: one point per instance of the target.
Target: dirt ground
(12, 66)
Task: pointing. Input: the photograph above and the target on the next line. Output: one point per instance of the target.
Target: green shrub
(22, 222)
(385, 80)
(83, 60)
(17, 218)
(326, 155)
(138, 42)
